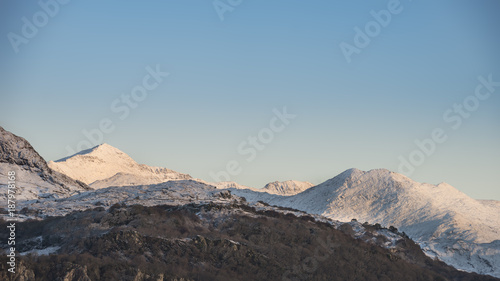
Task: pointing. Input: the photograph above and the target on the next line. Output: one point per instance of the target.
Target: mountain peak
(105, 165)
(345, 175)
(98, 149)
(106, 147)
(351, 172)
(381, 174)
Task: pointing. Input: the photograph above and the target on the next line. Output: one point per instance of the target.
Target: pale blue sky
(227, 76)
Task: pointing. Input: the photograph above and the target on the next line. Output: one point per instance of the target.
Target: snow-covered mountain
(445, 222)
(286, 188)
(448, 224)
(34, 179)
(104, 165)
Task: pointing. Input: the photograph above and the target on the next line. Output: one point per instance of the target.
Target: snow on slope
(34, 179)
(178, 192)
(104, 166)
(491, 203)
(446, 223)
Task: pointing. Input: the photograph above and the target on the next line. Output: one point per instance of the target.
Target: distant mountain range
(104, 166)
(445, 222)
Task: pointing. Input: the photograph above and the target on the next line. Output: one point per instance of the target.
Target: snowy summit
(104, 166)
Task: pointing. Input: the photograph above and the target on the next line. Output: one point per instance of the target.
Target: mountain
(104, 165)
(447, 224)
(285, 188)
(34, 179)
(290, 187)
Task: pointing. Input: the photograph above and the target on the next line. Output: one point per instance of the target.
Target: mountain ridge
(34, 177)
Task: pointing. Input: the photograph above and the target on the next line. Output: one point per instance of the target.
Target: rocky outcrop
(76, 273)
(18, 151)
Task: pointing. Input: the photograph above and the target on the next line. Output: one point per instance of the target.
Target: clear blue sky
(226, 76)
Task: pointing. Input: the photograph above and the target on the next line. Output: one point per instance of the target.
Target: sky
(260, 91)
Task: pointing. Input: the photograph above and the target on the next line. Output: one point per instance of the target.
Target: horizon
(257, 92)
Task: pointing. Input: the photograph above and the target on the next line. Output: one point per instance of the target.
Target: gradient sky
(227, 76)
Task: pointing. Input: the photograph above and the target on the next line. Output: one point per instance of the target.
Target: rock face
(76, 273)
(18, 151)
(286, 188)
(34, 179)
(103, 166)
(23, 273)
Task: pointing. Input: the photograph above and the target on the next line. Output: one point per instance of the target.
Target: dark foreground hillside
(210, 242)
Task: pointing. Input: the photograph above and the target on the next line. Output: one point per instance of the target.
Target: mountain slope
(447, 223)
(104, 166)
(34, 179)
